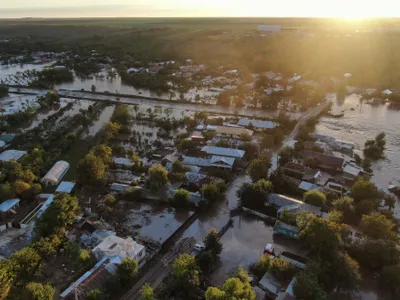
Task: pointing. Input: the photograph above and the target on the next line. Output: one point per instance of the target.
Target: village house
(257, 124)
(232, 132)
(323, 161)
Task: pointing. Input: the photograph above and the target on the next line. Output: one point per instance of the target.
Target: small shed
(9, 155)
(56, 173)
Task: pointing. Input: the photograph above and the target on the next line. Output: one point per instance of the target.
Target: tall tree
(307, 287)
(91, 169)
(126, 270)
(147, 292)
(38, 291)
(212, 243)
(158, 176)
(315, 197)
(259, 168)
(377, 226)
(185, 273)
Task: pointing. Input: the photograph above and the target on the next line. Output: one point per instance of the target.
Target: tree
(205, 261)
(245, 137)
(3, 91)
(335, 216)
(233, 289)
(374, 148)
(38, 291)
(25, 261)
(375, 254)
(147, 292)
(181, 198)
(348, 277)
(61, 213)
(377, 226)
(111, 130)
(254, 194)
(211, 192)
(126, 270)
(286, 155)
(47, 247)
(315, 197)
(307, 287)
(346, 207)
(158, 176)
(242, 275)
(390, 279)
(6, 192)
(185, 145)
(7, 275)
(95, 294)
(93, 88)
(321, 237)
(252, 151)
(364, 189)
(121, 115)
(281, 269)
(104, 152)
(185, 273)
(267, 141)
(261, 266)
(91, 169)
(20, 187)
(259, 168)
(212, 243)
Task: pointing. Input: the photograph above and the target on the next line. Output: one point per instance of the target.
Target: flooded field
(99, 123)
(154, 221)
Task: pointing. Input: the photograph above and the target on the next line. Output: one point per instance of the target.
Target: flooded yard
(156, 222)
(99, 123)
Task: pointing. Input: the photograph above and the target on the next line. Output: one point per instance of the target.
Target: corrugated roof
(196, 161)
(307, 186)
(11, 155)
(65, 187)
(8, 204)
(281, 200)
(223, 151)
(222, 159)
(123, 161)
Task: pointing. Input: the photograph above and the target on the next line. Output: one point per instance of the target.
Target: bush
(261, 266)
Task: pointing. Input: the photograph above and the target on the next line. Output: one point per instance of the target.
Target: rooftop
(223, 151)
(281, 200)
(9, 155)
(222, 161)
(65, 187)
(296, 167)
(257, 123)
(232, 130)
(325, 160)
(123, 161)
(196, 161)
(57, 171)
(8, 204)
(113, 245)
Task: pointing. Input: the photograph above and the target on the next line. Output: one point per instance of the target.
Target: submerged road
(138, 100)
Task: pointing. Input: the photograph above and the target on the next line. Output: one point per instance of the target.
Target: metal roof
(11, 155)
(222, 159)
(8, 204)
(196, 161)
(223, 151)
(65, 187)
(123, 161)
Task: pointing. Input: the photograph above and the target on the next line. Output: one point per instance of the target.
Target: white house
(113, 246)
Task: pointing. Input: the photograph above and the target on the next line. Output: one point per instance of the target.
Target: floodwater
(6, 71)
(364, 123)
(154, 221)
(99, 123)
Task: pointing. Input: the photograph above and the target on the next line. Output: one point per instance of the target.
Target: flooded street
(99, 122)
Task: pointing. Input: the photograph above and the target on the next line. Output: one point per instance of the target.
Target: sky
(199, 8)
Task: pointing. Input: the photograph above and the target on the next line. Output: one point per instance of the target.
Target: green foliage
(212, 192)
(111, 130)
(364, 189)
(346, 207)
(252, 150)
(315, 197)
(47, 247)
(121, 115)
(261, 266)
(233, 289)
(49, 100)
(205, 260)
(185, 273)
(147, 293)
(258, 169)
(281, 269)
(254, 194)
(185, 145)
(286, 155)
(212, 243)
(390, 279)
(321, 237)
(91, 169)
(181, 198)
(95, 294)
(104, 152)
(61, 214)
(158, 176)
(335, 216)
(377, 226)
(374, 149)
(7, 275)
(307, 287)
(24, 261)
(178, 167)
(3, 91)
(375, 254)
(47, 78)
(126, 270)
(38, 291)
